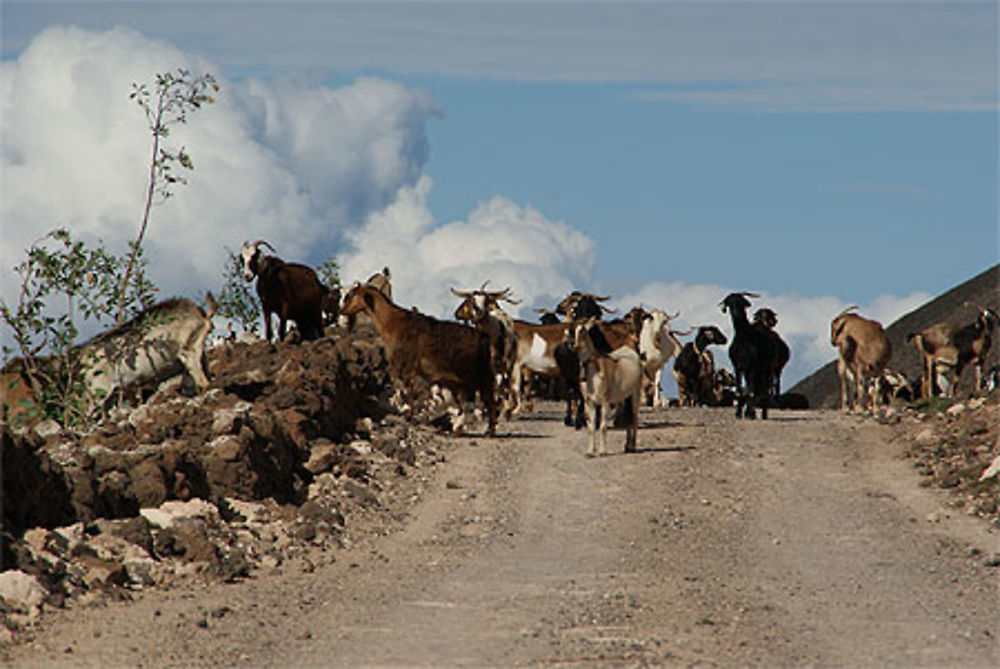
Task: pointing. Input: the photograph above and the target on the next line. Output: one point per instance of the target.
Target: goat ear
(369, 300)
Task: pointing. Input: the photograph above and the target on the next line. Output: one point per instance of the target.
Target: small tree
(175, 95)
(62, 279)
(329, 273)
(236, 300)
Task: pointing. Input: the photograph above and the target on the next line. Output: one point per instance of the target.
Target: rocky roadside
(293, 453)
(952, 444)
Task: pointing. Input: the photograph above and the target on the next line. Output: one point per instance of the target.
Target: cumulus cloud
(289, 161)
(803, 321)
(500, 241)
(316, 170)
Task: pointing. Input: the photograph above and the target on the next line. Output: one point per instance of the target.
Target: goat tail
(212, 305)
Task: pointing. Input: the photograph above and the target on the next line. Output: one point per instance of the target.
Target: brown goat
(863, 351)
(290, 290)
(452, 355)
(946, 350)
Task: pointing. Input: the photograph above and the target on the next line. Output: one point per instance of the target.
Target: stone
(322, 457)
(21, 590)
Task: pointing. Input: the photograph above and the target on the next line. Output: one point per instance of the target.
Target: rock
(322, 457)
(167, 515)
(232, 420)
(956, 410)
(21, 591)
(226, 447)
(926, 436)
(47, 428)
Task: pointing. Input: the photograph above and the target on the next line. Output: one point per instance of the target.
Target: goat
(694, 368)
(767, 319)
(548, 317)
(290, 290)
(482, 309)
(894, 385)
(162, 341)
(382, 282)
(452, 355)
(579, 305)
(752, 355)
(946, 350)
(610, 376)
(330, 306)
(723, 388)
(863, 350)
(657, 343)
(542, 350)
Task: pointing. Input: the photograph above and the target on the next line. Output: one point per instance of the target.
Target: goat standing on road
(752, 355)
(608, 377)
(694, 368)
(863, 350)
(766, 320)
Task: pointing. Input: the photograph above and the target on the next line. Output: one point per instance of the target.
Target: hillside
(956, 307)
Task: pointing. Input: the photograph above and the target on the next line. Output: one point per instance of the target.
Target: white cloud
(501, 241)
(294, 163)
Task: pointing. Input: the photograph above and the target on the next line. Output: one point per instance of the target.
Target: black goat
(767, 320)
(752, 355)
(578, 306)
(290, 290)
(694, 367)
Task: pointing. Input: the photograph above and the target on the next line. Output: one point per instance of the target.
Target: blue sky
(820, 153)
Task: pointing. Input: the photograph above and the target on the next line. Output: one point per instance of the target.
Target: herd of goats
(598, 364)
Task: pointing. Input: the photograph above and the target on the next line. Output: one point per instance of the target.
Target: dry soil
(802, 540)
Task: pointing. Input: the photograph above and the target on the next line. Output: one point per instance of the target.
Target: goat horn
(845, 311)
(608, 310)
(753, 295)
(461, 293)
(261, 242)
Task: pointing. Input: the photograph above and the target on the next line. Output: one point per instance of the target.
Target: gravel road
(802, 540)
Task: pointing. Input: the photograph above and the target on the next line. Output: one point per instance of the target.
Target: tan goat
(863, 351)
(947, 349)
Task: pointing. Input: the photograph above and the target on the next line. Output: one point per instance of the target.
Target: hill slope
(956, 307)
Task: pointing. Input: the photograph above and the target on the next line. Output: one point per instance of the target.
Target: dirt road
(800, 540)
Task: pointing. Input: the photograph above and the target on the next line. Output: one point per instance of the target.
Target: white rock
(21, 590)
(360, 447)
(992, 470)
(47, 428)
(169, 512)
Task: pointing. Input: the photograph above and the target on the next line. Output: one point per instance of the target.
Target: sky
(820, 154)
